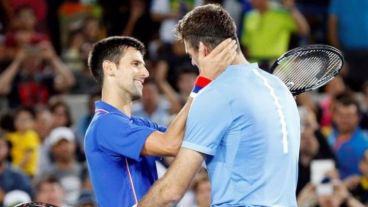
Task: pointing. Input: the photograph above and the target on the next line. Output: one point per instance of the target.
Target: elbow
(173, 148)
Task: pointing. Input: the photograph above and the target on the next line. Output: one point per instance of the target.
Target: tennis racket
(307, 68)
(34, 204)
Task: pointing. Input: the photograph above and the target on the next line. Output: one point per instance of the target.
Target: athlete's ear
(109, 68)
(203, 50)
(206, 50)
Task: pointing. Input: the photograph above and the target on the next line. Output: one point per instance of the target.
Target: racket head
(309, 67)
(35, 204)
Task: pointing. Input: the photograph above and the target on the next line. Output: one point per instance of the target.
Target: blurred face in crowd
(26, 18)
(130, 73)
(151, 95)
(346, 117)
(51, 193)
(23, 121)
(335, 86)
(3, 149)
(63, 150)
(309, 145)
(203, 193)
(60, 116)
(43, 123)
(186, 83)
(91, 29)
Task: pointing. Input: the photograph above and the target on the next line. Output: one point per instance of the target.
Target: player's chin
(137, 95)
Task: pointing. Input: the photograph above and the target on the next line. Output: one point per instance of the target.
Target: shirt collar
(101, 105)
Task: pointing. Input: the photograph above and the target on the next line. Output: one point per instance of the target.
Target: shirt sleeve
(121, 137)
(208, 121)
(151, 124)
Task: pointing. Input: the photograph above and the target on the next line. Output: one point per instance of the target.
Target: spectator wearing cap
(65, 166)
(86, 199)
(15, 197)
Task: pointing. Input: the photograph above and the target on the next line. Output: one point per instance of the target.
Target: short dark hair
(112, 49)
(347, 99)
(210, 24)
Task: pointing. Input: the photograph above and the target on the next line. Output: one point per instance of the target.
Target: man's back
(251, 139)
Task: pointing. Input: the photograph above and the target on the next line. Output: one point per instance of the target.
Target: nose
(145, 72)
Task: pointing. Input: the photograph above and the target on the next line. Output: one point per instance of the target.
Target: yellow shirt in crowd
(21, 143)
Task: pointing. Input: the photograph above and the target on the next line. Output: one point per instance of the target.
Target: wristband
(200, 83)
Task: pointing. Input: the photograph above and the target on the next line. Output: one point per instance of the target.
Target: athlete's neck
(121, 101)
(239, 59)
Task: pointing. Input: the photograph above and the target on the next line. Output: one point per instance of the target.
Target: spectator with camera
(35, 74)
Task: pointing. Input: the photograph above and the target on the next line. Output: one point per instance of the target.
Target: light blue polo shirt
(120, 176)
(246, 122)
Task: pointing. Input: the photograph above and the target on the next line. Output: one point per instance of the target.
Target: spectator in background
(49, 190)
(358, 185)
(10, 177)
(15, 197)
(65, 166)
(152, 105)
(185, 82)
(61, 117)
(26, 82)
(25, 142)
(168, 13)
(129, 18)
(267, 30)
(43, 126)
(23, 31)
(312, 146)
(340, 196)
(86, 118)
(364, 120)
(348, 31)
(60, 111)
(347, 139)
(332, 89)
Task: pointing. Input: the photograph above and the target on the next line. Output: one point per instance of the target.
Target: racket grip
(199, 84)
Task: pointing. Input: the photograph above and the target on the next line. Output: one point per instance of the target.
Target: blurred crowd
(44, 46)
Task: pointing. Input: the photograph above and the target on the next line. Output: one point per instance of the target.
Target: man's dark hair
(111, 49)
(210, 24)
(48, 179)
(347, 99)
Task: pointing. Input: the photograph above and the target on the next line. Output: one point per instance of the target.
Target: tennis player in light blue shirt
(244, 125)
(249, 135)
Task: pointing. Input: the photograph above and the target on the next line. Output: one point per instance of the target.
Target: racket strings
(308, 69)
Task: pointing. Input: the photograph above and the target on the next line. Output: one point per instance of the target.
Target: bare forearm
(7, 77)
(158, 196)
(333, 36)
(302, 24)
(175, 131)
(172, 186)
(171, 96)
(128, 30)
(62, 71)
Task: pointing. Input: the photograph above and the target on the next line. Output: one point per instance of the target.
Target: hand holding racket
(307, 68)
